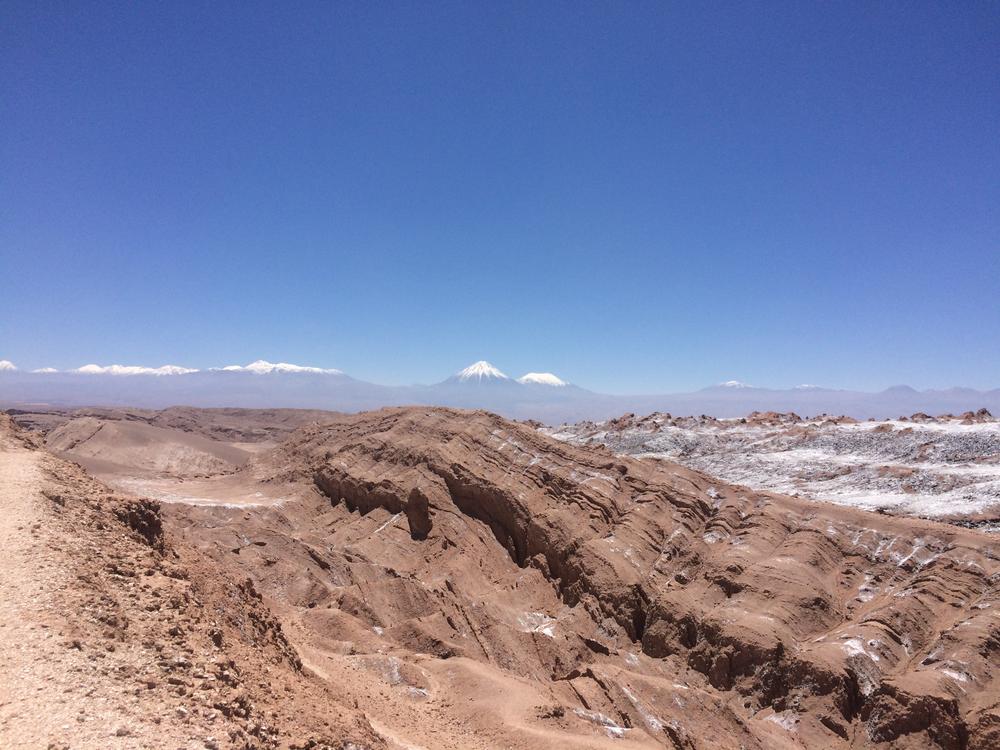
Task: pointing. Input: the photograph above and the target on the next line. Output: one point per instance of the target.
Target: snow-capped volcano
(480, 371)
(263, 367)
(541, 378)
(734, 384)
(6, 364)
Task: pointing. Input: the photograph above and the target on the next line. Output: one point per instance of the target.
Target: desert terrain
(499, 376)
(945, 467)
(422, 577)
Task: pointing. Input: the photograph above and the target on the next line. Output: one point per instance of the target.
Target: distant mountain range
(536, 395)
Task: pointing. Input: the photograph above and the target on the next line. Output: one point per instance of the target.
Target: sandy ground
(30, 714)
(51, 696)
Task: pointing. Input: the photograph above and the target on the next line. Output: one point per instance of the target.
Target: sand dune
(127, 447)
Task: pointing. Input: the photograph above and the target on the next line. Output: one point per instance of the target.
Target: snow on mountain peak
(45, 370)
(263, 367)
(541, 378)
(132, 370)
(6, 364)
(481, 370)
(735, 384)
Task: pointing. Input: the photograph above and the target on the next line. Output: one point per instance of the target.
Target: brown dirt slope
(113, 635)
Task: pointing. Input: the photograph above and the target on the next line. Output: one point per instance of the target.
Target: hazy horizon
(262, 366)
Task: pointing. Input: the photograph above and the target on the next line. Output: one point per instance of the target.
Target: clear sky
(636, 196)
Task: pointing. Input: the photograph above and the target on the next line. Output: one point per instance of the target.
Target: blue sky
(639, 197)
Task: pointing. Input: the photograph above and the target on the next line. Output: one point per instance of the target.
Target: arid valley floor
(422, 577)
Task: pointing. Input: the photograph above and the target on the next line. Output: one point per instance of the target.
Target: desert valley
(421, 577)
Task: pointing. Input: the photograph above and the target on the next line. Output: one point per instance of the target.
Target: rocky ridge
(830, 625)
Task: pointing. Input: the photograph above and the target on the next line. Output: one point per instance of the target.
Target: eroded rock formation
(829, 624)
